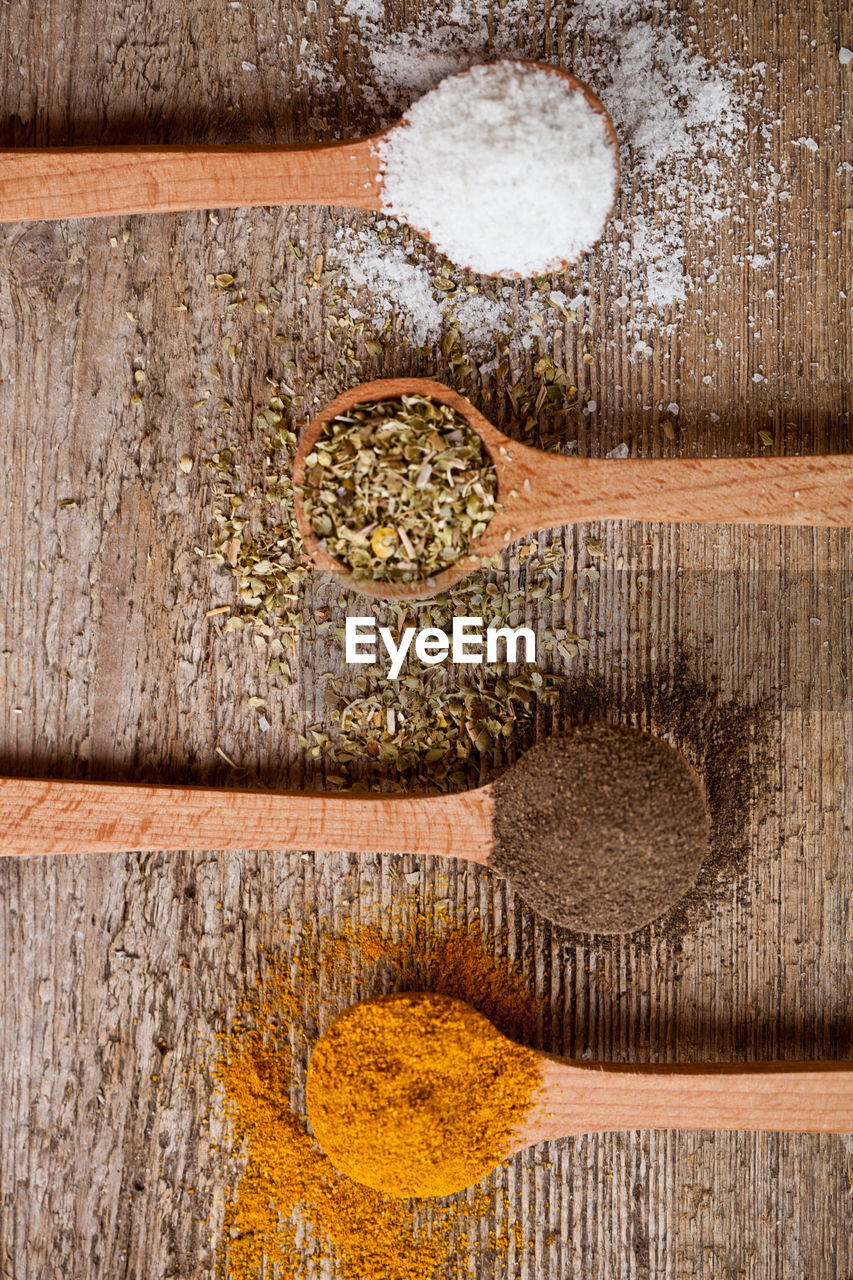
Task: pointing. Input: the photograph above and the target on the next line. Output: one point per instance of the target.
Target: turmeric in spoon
(420, 1095)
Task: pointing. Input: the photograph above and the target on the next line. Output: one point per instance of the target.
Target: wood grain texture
(43, 817)
(588, 1097)
(98, 182)
(117, 970)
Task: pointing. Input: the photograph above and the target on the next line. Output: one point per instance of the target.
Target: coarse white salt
(507, 168)
(394, 282)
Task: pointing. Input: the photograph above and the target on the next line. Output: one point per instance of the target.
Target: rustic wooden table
(116, 970)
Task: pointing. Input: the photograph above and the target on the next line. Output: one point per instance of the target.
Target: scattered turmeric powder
(291, 1212)
(418, 1095)
(291, 1199)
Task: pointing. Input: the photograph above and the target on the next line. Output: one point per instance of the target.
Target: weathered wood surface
(114, 968)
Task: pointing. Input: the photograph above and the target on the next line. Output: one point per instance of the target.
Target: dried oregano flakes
(421, 729)
(399, 489)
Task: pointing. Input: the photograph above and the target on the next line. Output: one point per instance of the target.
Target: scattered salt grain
(395, 283)
(404, 291)
(621, 451)
(845, 55)
(507, 168)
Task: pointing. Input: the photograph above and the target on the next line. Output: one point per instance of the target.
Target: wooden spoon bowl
(539, 490)
(89, 182)
(597, 106)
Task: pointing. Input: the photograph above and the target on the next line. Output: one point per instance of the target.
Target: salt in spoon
(369, 1071)
(538, 490)
(601, 830)
(86, 182)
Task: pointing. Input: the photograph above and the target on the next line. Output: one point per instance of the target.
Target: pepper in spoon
(601, 830)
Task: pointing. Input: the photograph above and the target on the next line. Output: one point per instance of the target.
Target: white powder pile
(395, 286)
(507, 168)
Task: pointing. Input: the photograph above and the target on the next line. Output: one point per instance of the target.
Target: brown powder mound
(601, 830)
(418, 1095)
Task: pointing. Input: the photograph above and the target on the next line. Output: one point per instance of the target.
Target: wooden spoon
(765, 1097)
(540, 491)
(95, 182)
(640, 798)
(399, 1071)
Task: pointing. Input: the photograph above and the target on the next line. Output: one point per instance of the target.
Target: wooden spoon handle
(90, 182)
(556, 491)
(804, 1097)
(45, 817)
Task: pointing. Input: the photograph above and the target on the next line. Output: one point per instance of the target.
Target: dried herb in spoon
(398, 489)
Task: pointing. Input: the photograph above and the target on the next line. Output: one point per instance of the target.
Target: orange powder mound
(452, 963)
(291, 1209)
(290, 1189)
(418, 1094)
(458, 965)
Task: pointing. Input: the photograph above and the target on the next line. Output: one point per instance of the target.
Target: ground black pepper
(602, 829)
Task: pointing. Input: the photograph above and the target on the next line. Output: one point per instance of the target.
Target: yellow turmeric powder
(291, 1211)
(418, 1094)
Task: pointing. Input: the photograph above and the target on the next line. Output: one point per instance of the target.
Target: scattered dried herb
(398, 489)
(433, 727)
(256, 539)
(431, 734)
